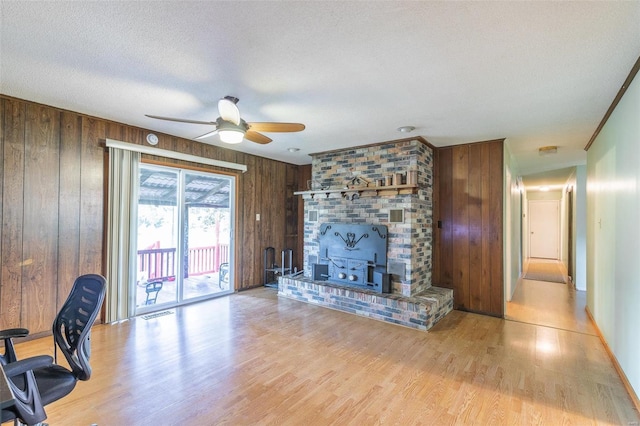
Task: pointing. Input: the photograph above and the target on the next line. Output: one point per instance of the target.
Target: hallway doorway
(551, 235)
(544, 229)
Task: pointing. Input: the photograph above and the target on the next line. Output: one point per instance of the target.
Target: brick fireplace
(388, 184)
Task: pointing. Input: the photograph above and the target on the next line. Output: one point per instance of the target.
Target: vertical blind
(121, 235)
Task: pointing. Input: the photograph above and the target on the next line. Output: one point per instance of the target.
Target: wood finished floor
(550, 304)
(252, 358)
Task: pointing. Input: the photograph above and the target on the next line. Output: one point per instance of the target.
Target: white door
(544, 228)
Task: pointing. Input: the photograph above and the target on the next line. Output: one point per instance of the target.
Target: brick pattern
(410, 243)
(419, 312)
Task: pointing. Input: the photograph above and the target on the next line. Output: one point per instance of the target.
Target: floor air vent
(156, 315)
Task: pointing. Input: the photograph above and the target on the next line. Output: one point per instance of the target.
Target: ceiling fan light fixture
(231, 136)
(232, 129)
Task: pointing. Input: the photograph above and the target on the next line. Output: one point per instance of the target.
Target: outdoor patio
(194, 287)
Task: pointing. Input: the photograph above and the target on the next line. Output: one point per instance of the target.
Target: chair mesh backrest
(72, 326)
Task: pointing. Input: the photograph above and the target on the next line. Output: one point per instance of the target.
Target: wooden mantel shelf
(362, 191)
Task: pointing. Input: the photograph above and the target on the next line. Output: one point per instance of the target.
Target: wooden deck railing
(204, 260)
(160, 263)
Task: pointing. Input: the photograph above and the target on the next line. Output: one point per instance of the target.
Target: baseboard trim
(616, 365)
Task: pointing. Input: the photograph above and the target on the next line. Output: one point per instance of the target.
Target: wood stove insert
(353, 255)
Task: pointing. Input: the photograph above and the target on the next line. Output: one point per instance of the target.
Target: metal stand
(272, 270)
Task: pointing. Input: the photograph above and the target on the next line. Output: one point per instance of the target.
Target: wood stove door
(357, 272)
(338, 271)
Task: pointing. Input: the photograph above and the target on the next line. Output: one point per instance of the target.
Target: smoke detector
(152, 139)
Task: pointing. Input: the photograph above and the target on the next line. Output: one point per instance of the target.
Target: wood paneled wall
(53, 186)
(468, 249)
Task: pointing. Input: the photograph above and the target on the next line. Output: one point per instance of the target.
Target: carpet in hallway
(544, 270)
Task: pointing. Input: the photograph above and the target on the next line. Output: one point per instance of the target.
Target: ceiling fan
(233, 129)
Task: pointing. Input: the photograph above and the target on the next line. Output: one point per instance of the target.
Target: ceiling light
(231, 136)
(406, 129)
(293, 149)
(544, 188)
(545, 150)
(230, 132)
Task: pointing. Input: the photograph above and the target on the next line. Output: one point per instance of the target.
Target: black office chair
(39, 381)
(9, 354)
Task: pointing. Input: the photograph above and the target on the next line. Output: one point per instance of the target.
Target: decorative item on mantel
(357, 182)
(314, 185)
(399, 178)
(412, 177)
(357, 186)
(351, 195)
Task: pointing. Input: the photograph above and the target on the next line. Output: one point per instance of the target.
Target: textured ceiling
(535, 73)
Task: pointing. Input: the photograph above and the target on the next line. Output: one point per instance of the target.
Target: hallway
(550, 304)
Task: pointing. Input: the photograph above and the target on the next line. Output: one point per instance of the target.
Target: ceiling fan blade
(229, 110)
(206, 135)
(276, 127)
(257, 137)
(181, 120)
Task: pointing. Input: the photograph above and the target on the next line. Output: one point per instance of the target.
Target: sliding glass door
(184, 236)
(207, 237)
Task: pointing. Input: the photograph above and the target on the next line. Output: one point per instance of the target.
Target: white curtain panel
(121, 234)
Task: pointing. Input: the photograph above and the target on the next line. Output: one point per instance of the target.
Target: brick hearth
(421, 311)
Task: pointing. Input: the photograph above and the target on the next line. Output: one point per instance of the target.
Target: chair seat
(54, 382)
